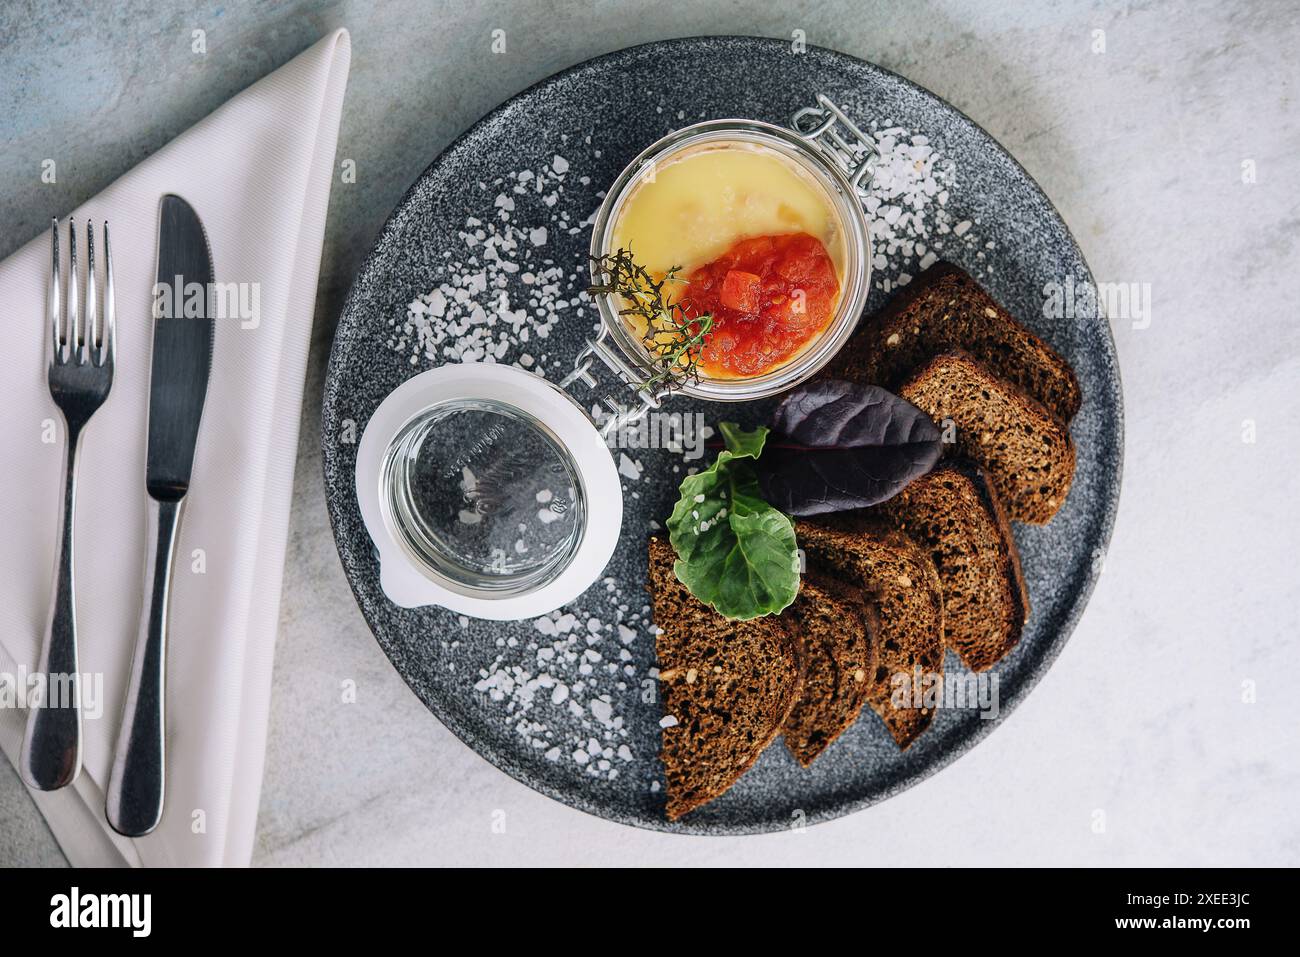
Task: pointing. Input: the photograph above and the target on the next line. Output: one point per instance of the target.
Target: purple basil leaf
(838, 445)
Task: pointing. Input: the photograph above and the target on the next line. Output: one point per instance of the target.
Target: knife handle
(136, 783)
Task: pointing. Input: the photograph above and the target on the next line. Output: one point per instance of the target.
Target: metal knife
(178, 383)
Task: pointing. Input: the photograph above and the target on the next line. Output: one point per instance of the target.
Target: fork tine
(92, 294)
(108, 348)
(74, 311)
(53, 295)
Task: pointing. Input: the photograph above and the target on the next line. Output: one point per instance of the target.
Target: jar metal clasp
(621, 414)
(829, 128)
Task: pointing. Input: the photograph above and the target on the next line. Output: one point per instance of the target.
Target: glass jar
(487, 490)
(834, 154)
(490, 491)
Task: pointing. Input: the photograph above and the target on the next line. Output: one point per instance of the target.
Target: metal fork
(80, 376)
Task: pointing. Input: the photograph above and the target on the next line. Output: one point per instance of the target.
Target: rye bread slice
(728, 686)
(946, 309)
(1027, 451)
(899, 578)
(835, 626)
(954, 514)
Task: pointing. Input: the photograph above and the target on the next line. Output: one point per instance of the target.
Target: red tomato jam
(768, 296)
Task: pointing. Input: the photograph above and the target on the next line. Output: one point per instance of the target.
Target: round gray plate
(597, 116)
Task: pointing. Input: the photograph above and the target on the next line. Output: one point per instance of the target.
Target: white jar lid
(488, 491)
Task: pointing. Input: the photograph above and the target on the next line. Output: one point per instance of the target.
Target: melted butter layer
(703, 201)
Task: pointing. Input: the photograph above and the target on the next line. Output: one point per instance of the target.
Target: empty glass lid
(485, 494)
(487, 490)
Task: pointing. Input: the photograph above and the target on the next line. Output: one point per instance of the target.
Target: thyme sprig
(672, 336)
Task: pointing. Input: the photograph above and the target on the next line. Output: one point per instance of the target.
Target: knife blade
(183, 338)
(182, 348)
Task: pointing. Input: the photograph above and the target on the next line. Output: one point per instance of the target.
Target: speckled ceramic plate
(494, 236)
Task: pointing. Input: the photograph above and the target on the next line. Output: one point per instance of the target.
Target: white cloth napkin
(258, 172)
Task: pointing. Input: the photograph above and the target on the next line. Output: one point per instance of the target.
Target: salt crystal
(628, 468)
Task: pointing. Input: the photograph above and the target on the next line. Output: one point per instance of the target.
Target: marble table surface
(1169, 142)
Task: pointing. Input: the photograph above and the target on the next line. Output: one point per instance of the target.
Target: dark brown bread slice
(728, 686)
(1026, 450)
(946, 309)
(955, 515)
(835, 626)
(899, 578)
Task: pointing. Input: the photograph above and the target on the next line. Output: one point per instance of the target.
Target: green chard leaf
(735, 552)
(742, 444)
